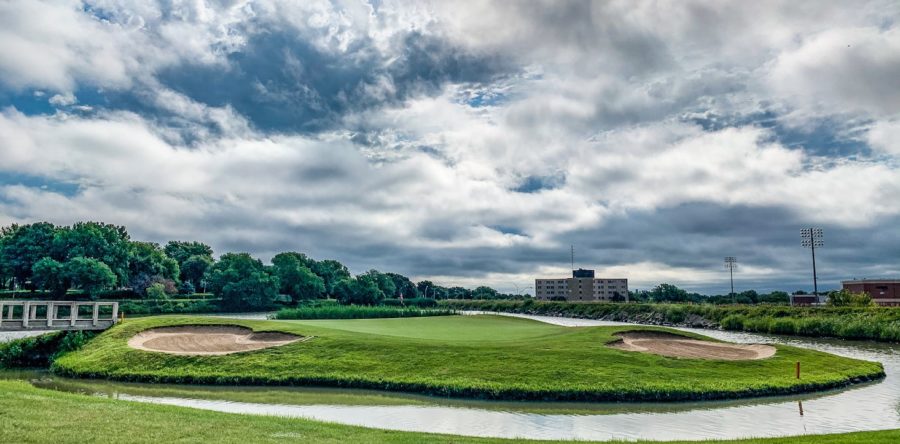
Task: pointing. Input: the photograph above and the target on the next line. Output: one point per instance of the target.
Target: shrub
(674, 315)
(148, 307)
(186, 288)
(40, 351)
(157, 291)
(733, 322)
(420, 302)
(783, 326)
(857, 329)
(119, 294)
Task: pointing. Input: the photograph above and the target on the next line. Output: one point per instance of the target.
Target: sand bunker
(674, 346)
(208, 340)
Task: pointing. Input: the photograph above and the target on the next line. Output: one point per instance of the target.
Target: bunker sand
(196, 340)
(674, 346)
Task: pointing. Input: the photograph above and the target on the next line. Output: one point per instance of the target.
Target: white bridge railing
(57, 315)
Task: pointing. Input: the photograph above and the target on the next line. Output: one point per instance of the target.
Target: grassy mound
(490, 357)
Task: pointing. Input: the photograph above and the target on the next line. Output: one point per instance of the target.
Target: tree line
(672, 293)
(98, 258)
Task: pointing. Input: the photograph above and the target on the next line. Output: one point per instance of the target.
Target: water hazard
(873, 406)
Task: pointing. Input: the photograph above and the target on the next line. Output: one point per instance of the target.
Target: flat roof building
(581, 287)
(884, 292)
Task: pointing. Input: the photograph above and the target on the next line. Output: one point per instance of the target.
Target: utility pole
(573, 257)
(731, 265)
(813, 237)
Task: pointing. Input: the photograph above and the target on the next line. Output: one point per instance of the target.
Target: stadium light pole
(731, 265)
(811, 238)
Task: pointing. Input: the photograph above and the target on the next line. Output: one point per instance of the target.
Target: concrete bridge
(57, 315)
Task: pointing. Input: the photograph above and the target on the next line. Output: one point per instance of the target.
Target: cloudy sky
(468, 142)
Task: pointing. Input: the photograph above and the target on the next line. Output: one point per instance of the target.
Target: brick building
(581, 287)
(884, 292)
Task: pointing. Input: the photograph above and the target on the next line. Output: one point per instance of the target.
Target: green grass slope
(31, 415)
(489, 357)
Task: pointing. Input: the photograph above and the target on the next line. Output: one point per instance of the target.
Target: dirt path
(667, 344)
(208, 340)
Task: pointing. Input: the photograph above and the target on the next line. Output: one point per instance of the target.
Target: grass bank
(875, 323)
(490, 357)
(32, 415)
(358, 312)
(40, 351)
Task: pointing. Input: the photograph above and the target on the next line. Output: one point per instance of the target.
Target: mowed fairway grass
(490, 357)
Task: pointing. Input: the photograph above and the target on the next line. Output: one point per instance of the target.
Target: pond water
(873, 406)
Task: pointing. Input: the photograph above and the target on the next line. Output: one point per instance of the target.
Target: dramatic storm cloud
(467, 142)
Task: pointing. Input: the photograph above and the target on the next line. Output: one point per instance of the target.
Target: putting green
(470, 356)
(487, 328)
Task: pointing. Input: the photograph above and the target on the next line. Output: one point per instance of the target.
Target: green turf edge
(61, 367)
(32, 416)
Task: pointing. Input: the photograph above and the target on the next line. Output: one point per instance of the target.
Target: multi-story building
(581, 287)
(884, 292)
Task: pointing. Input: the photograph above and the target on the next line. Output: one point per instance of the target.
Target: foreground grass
(490, 357)
(31, 415)
(870, 323)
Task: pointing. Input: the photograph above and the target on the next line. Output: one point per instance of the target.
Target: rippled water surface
(868, 407)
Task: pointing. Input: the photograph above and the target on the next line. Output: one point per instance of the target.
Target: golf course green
(489, 357)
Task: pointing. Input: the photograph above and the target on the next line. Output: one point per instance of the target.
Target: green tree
(425, 288)
(23, 246)
(459, 293)
(403, 286)
(194, 268)
(667, 293)
(5, 272)
(186, 287)
(441, 292)
(362, 290)
(776, 297)
(242, 282)
(89, 274)
(107, 243)
(181, 251)
(749, 296)
(157, 291)
(147, 262)
(193, 259)
(484, 293)
(384, 283)
(332, 272)
(297, 280)
(846, 298)
(49, 274)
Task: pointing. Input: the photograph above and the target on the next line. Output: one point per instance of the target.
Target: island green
(490, 357)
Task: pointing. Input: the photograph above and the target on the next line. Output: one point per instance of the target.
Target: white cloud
(602, 96)
(843, 70)
(885, 137)
(66, 99)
